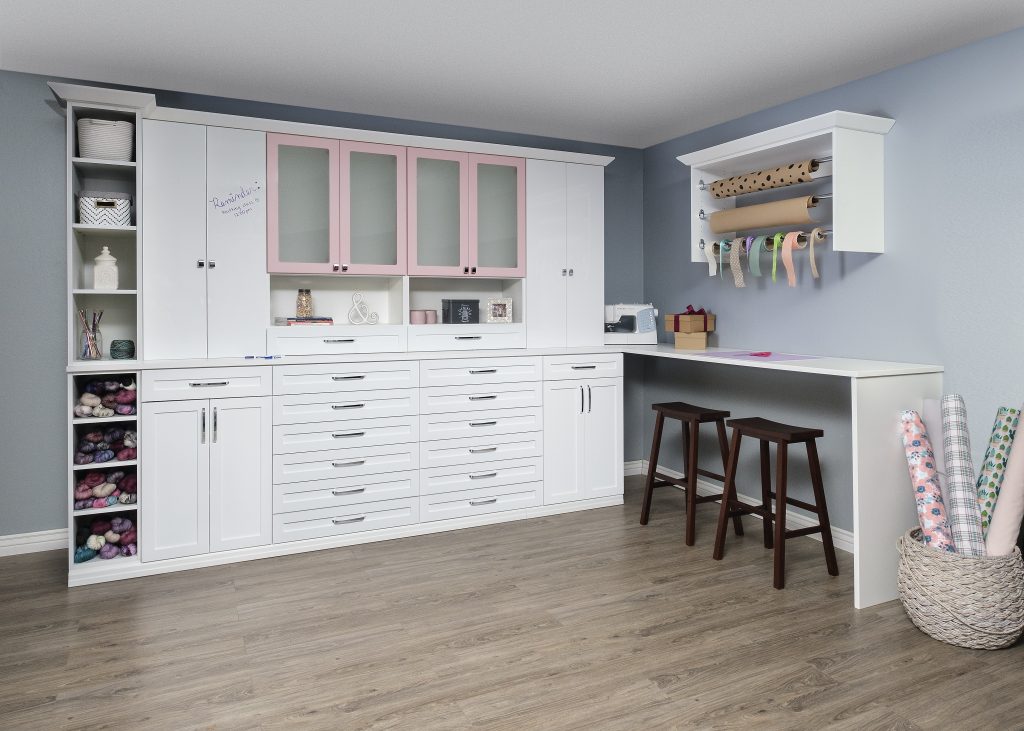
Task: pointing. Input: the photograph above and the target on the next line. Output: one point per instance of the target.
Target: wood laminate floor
(578, 621)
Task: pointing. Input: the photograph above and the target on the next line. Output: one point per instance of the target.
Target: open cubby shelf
(100, 511)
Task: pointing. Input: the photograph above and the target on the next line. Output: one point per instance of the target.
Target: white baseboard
(44, 540)
(634, 467)
(841, 539)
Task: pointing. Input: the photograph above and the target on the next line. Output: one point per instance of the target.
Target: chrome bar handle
(590, 399)
(207, 384)
(474, 503)
(343, 521)
(583, 367)
(214, 424)
(349, 492)
(331, 341)
(482, 450)
(482, 371)
(202, 437)
(353, 463)
(483, 398)
(342, 435)
(484, 476)
(468, 337)
(349, 378)
(347, 406)
(483, 423)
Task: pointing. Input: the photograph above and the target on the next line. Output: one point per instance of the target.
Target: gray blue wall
(33, 495)
(945, 291)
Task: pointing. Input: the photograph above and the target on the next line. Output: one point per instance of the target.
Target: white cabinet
(565, 248)
(206, 465)
(582, 439)
(204, 268)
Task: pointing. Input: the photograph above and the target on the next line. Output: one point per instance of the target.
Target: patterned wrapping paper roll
(992, 469)
(1009, 510)
(780, 177)
(961, 480)
(931, 513)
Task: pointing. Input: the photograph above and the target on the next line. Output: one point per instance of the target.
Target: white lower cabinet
(582, 439)
(206, 467)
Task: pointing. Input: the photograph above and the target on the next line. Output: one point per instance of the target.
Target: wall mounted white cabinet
(565, 247)
(852, 150)
(207, 469)
(203, 265)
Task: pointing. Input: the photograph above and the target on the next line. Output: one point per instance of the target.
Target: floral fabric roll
(931, 512)
(991, 477)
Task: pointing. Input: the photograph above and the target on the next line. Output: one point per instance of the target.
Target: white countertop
(821, 365)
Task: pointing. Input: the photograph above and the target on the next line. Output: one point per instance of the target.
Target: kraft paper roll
(789, 212)
(780, 177)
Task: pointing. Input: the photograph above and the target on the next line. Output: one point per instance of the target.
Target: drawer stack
(346, 452)
(481, 430)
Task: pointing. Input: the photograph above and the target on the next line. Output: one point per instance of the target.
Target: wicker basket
(964, 601)
(105, 139)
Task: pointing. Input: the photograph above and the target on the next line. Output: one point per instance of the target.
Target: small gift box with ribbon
(691, 321)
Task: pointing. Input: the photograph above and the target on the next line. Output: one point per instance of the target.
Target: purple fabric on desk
(746, 355)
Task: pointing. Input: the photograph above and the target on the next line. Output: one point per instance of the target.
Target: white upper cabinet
(565, 248)
(206, 291)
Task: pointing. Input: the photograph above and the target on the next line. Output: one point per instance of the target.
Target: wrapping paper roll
(789, 212)
(961, 480)
(931, 512)
(1009, 509)
(780, 177)
(991, 477)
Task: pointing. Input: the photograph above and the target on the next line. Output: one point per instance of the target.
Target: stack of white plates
(105, 139)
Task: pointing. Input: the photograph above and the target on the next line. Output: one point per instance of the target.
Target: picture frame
(499, 309)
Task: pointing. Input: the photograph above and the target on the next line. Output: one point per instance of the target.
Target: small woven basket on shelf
(964, 601)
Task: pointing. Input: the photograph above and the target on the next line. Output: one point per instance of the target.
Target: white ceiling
(618, 72)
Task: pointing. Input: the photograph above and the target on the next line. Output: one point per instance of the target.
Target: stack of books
(303, 321)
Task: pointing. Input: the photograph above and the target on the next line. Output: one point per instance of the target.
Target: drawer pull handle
(348, 378)
(483, 398)
(353, 463)
(202, 384)
(347, 406)
(343, 521)
(483, 476)
(342, 435)
(331, 341)
(349, 492)
(483, 423)
(482, 371)
(474, 503)
(584, 368)
(482, 450)
(468, 337)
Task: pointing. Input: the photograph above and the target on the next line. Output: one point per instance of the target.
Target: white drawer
(338, 407)
(490, 474)
(478, 450)
(596, 365)
(442, 399)
(344, 463)
(340, 521)
(345, 377)
(479, 370)
(466, 337)
(318, 436)
(178, 384)
(481, 501)
(342, 491)
(462, 424)
(335, 340)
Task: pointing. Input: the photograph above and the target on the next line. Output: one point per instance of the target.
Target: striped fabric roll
(961, 480)
(931, 513)
(994, 466)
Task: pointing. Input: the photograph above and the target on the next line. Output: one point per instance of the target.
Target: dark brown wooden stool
(782, 435)
(691, 418)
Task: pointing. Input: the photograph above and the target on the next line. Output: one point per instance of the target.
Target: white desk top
(843, 367)
(826, 366)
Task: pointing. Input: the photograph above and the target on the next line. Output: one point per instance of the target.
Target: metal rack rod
(802, 238)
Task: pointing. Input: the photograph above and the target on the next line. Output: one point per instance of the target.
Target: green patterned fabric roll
(991, 475)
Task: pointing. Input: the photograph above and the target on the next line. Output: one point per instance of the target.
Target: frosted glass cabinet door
(498, 216)
(373, 211)
(303, 216)
(438, 212)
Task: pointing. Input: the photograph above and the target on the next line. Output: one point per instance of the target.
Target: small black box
(460, 312)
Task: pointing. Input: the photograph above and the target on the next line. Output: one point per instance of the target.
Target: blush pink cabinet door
(497, 224)
(439, 231)
(303, 205)
(373, 209)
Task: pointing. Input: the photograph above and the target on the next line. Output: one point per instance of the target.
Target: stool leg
(652, 467)
(781, 459)
(691, 442)
(819, 501)
(723, 444)
(766, 493)
(728, 494)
